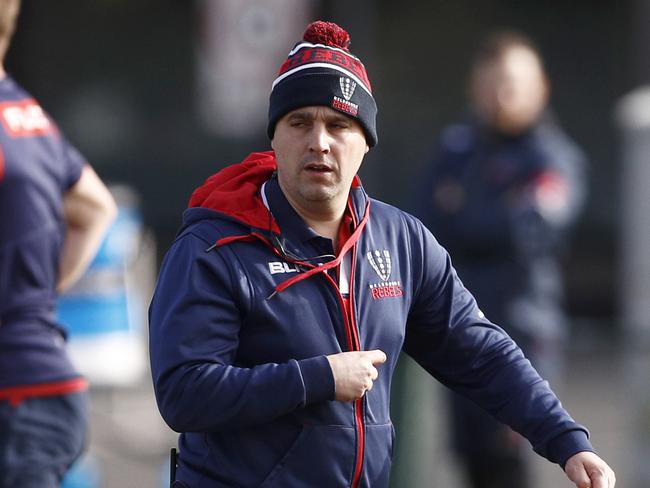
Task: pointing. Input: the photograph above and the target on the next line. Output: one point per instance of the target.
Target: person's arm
(88, 209)
(195, 319)
(448, 335)
(548, 202)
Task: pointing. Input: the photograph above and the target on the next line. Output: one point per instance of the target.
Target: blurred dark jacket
(502, 206)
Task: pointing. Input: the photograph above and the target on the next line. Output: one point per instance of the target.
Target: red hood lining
(234, 191)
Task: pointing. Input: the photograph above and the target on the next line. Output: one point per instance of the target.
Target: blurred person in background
(284, 302)
(54, 211)
(503, 189)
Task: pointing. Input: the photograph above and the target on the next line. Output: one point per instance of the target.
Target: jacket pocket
(320, 456)
(380, 440)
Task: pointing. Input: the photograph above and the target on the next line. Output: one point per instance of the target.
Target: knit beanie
(320, 70)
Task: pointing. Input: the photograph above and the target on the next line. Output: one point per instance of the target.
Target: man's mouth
(319, 167)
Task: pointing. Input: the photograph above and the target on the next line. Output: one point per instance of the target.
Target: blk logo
(282, 267)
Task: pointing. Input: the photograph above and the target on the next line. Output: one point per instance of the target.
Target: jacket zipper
(352, 339)
(358, 404)
(354, 344)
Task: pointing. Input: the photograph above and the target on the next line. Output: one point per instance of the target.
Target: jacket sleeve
(194, 323)
(448, 335)
(551, 198)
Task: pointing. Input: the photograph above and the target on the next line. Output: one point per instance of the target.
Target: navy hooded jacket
(242, 319)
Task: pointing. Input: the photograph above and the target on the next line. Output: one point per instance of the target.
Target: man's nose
(319, 139)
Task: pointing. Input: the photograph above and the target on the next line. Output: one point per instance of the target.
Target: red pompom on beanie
(327, 33)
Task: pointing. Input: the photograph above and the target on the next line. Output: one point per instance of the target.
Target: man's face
(511, 93)
(318, 151)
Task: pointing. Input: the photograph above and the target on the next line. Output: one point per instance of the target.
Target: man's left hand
(587, 470)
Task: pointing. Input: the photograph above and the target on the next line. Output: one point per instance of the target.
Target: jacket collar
(292, 225)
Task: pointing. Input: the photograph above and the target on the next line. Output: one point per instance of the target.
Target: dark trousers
(40, 438)
(490, 454)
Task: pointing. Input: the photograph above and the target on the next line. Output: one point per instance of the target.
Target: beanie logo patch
(344, 104)
(347, 87)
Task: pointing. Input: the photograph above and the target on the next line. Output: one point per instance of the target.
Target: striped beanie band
(320, 70)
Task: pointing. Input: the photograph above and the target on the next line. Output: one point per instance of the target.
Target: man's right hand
(354, 372)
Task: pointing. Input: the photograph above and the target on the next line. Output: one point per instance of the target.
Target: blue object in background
(104, 312)
(85, 473)
(99, 302)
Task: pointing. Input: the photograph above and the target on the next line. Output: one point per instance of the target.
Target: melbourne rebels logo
(344, 104)
(382, 264)
(347, 87)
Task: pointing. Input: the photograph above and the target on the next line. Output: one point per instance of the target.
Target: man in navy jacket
(283, 304)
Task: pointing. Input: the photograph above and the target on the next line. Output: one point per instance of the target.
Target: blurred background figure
(54, 211)
(504, 187)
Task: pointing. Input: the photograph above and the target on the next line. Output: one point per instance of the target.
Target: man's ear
(367, 148)
(272, 146)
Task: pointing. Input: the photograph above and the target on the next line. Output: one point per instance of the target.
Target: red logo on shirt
(386, 290)
(25, 118)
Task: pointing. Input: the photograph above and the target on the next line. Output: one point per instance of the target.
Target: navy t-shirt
(37, 166)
